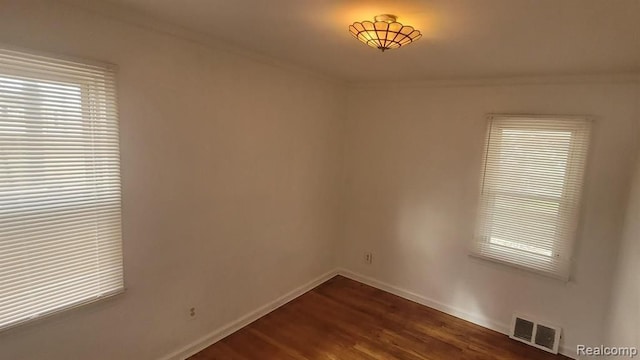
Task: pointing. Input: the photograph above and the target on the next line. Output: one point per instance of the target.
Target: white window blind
(60, 232)
(531, 188)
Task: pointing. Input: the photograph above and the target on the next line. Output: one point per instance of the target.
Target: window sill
(66, 309)
(534, 264)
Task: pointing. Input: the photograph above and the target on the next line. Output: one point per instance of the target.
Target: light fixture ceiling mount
(385, 33)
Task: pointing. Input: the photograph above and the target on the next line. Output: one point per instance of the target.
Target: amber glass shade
(384, 35)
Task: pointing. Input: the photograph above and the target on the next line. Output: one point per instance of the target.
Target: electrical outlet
(192, 313)
(368, 258)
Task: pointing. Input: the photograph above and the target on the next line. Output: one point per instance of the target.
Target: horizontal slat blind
(60, 226)
(531, 189)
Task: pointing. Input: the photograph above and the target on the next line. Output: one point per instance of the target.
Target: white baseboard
(450, 310)
(238, 324)
(447, 309)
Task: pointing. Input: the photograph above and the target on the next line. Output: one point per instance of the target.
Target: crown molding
(137, 18)
(593, 78)
(142, 20)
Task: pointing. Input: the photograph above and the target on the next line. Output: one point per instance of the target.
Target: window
(531, 189)
(60, 232)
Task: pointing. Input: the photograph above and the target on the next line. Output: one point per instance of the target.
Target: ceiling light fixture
(385, 33)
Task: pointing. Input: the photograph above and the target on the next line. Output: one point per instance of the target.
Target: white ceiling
(461, 38)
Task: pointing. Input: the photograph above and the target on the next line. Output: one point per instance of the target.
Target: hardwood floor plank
(345, 320)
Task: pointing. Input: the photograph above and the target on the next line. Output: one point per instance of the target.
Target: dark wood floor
(343, 320)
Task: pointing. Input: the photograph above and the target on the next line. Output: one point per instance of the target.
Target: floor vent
(542, 336)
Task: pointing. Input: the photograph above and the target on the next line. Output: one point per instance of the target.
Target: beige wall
(229, 175)
(233, 191)
(624, 312)
(413, 169)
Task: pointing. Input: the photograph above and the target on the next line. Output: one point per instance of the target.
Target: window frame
(87, 107)
(504, 254)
